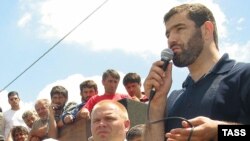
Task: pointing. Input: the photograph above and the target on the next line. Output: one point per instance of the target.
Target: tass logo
(237, 132)
(234, 132)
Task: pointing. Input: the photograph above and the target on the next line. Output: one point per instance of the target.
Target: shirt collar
(222, 66)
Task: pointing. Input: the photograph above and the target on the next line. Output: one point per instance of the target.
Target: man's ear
(127, 125)
(207, 30)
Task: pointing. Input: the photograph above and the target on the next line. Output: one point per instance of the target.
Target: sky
(125, 35)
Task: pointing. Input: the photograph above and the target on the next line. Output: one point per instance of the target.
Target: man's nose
(102, 123)
(172, 38)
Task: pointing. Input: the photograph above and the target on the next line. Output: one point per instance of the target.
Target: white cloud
(24, 20)
(239, 28)
(241, 20)
(132, 26)
(118, 24)
(239, 24)
(237, 51)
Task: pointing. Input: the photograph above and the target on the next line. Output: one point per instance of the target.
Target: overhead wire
(52, 47)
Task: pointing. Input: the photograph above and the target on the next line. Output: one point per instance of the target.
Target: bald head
(112, 105)
(109, 121)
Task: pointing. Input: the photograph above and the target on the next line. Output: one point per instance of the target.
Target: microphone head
(167, 54)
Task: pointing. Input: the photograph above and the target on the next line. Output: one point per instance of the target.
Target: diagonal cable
(53, 46)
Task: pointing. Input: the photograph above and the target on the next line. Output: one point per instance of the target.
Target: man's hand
(68, 119)
(135, 98)
(205, 129)
(83, 113)
(159, 80)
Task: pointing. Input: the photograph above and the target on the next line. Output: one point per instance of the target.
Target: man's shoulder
(240, 71)
(38, 123)
(8, 112)
(95, 97)
(70, 105)
(232, 65)
(242, 66)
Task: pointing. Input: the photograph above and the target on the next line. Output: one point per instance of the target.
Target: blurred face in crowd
(19, 133)
(59, 99)
(14, 101)
(87, 93)
(133, 89)
(42, 110)
(110, 84)
(30, 119)
(19, 136)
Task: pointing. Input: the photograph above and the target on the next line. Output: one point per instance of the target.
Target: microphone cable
(53, 46)
(152, 93)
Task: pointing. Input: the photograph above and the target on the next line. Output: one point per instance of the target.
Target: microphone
(166, 55)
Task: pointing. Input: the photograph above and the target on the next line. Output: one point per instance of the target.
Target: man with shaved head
(109, 121)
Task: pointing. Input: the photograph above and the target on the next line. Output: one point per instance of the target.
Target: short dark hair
(111, 72)
(28, 113)
(196, 12)
(136, 131)
(13, 93)
(131, 78)
(88, 84)
(59, 90)
(19, 129)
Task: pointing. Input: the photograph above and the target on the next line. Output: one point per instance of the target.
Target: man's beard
(192, 52)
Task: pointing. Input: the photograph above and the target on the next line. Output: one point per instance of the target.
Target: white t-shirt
(12, 118)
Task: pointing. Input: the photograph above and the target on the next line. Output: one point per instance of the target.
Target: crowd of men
(48, 116)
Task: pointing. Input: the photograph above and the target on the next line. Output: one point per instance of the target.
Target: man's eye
(110, 118)
(96, 120)
(167, 35)
(179, 28)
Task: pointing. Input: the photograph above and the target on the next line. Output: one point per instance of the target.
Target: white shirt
(12, 118)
